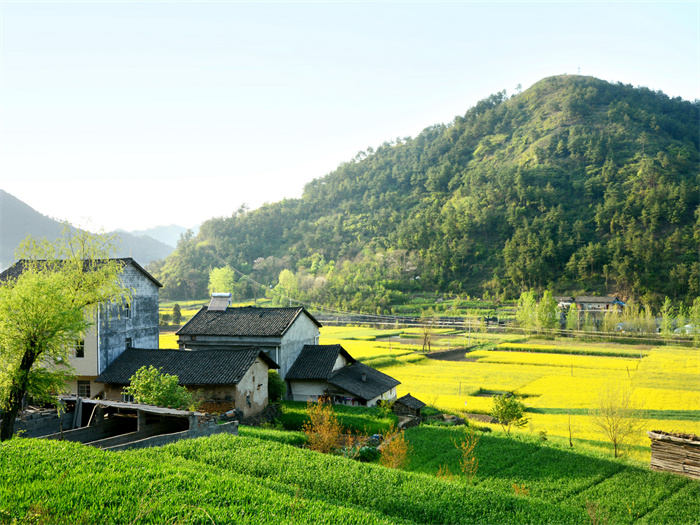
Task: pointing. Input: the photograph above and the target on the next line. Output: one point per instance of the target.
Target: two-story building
(117, 326)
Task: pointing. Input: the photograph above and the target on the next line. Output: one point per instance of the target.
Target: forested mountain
(576, 184)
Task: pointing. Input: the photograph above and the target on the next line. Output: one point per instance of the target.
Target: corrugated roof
(349, 378)
(316, 362)
(411, 402)
(16, 269)
(192, 367)
(244, 321)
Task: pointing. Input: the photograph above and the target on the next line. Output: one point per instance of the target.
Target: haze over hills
(17, 220)
(576, 184)
(169, 235)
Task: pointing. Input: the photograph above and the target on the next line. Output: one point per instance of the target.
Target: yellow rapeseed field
(559, 390)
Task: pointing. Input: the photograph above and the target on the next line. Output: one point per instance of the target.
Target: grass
(263, 476)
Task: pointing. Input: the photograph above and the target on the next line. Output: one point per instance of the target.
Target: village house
(238, 376)
(330, 370)
(117, 326)
(279, 332)
(599, 304)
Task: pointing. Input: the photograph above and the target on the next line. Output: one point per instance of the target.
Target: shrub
(151, 387)
(322, 430)
(509, 411)
(276, 387)
(395, 449)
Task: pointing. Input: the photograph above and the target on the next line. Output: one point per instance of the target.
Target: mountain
(17, 220)
(169, 235)
(575, 184)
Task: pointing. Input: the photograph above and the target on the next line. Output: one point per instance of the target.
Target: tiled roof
(192, 367)
(245, 321)
(16, 269)
(316, 362)
(411, 402)
(349, 378)
(589, 299)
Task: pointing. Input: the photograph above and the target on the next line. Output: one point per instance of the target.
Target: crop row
(396, 494)
(618, 351)
(52, 482)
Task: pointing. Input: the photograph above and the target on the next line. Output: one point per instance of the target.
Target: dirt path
(451, 355)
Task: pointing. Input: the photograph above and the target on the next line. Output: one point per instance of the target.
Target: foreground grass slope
(262, 479)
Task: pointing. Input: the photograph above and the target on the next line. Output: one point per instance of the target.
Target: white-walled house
(330, 370)
(279, 332)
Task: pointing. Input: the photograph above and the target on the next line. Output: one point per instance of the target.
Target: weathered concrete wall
(157, 441)
(305, 390)
(87, 434)
(302, 332)
(141, 325)
(42, 424)
(155, 429)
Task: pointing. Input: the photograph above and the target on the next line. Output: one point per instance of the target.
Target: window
(127, 309)
(128, 343)
(127, 398)
(83, 388)
(80, 348)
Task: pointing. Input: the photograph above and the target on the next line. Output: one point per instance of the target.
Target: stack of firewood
(677, 453)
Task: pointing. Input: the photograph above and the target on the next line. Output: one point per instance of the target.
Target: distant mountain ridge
(18, 220)
(169, 235)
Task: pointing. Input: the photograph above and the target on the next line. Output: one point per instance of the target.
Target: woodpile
(677, 453)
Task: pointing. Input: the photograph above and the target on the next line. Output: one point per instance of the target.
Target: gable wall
(302, 332)
(141, 325)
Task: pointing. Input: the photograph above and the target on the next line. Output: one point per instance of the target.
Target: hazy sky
(136, 114)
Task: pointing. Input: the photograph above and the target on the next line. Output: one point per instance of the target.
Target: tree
(222, 280)
(572, 318)
(509, 412)
(526, 314)
(616, 416)
(276, 387)
(177, 314)
(667, 317)
(46, 308)
(150, 386)
(428, 321)
(546, 312)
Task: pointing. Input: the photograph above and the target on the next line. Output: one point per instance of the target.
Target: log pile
(677, 453)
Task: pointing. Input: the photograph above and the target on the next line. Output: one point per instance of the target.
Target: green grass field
(262, 476)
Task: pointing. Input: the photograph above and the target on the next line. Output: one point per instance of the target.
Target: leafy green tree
(694, 320)
(222, 280)
(572, 318)
(666, 312)
(526, 313)
(547, 312)
(44, 310)
(509, 412)
(177, 314)
(150, 386)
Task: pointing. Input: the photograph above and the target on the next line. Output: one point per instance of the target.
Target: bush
(151, 387)
(276, 387)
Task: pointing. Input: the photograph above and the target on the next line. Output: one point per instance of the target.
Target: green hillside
(574, 184)
(228, 479)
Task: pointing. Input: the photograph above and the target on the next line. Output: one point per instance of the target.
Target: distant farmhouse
(117, 327)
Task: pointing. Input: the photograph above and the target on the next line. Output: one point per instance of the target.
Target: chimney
(364, 378)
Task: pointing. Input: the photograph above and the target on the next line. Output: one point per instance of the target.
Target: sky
(137, 114)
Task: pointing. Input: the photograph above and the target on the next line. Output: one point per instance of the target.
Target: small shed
(408, 406)
(676, 453)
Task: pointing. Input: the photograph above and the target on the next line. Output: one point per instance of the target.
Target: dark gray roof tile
(316, 362)
(192, 367)
(244, 321)
(349, 378)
